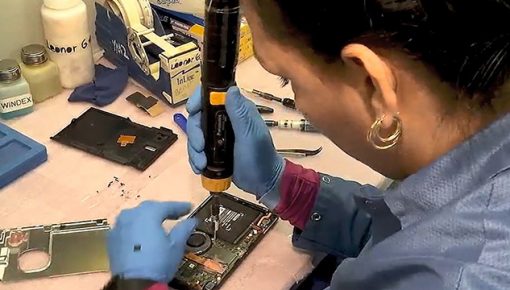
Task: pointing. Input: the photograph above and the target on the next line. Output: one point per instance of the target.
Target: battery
(235, 219)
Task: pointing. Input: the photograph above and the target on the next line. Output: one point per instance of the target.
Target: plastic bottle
(68, 39)
(41, 73)
(15, 97)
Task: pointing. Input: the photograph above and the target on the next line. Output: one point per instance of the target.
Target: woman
(417, 90)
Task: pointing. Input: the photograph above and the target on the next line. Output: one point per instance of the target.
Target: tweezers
(299, 152)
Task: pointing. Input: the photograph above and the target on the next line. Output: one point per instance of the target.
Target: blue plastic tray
(18, 154)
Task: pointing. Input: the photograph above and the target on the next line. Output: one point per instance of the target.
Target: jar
(41, 73)
(15, 97)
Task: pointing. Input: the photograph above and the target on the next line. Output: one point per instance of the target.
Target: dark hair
(467, 42)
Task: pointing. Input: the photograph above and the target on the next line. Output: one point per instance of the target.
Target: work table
(74, 186)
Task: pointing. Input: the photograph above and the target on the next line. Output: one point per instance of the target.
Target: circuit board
(209, 262)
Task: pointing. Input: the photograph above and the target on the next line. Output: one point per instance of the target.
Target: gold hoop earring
(383, 143)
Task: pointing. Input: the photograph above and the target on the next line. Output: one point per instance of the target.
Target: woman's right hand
(257, 165)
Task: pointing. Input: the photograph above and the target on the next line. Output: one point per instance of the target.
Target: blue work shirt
(445, 227)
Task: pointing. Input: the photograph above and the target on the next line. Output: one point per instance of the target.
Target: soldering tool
(220, 54)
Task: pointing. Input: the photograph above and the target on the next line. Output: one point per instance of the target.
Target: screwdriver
(220, 54)
(287, 102)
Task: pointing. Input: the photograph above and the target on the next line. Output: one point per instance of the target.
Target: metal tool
(301, 125)
(287, 102)
(220, 55)
(299, 152)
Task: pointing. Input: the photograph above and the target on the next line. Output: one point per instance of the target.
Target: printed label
(184, 62)
(61, 48)
(185, 74)
(168, 2)
(120, 49)
(16, 103)
(227, 218)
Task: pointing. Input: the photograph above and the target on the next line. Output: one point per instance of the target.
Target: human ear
(384, 97)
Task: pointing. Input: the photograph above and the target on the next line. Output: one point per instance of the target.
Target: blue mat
(18, 155)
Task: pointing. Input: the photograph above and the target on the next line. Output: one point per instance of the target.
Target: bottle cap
(61, 4)
(34, 54)
(9, 70)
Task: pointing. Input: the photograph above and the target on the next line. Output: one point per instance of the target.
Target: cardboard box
(194, 27)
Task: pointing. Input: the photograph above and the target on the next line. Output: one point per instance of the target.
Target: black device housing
(97, 132)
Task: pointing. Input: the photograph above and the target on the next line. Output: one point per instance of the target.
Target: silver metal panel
(73, 248)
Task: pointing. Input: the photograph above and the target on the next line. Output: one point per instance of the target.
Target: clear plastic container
(41, 74)
(15, 97)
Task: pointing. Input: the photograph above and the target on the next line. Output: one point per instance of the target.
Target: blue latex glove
(257, 165)
(139, 247)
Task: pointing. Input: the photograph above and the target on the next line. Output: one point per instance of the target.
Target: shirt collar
(468, 166)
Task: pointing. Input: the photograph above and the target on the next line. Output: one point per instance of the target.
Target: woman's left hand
(139, 247)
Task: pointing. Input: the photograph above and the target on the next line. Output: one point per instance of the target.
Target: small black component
(97, 132)
(210, 285)
(149, 104)
(198, 243)
(289, 103)
(264, 109)
(137, 248)
(196, 240)
(142, 101)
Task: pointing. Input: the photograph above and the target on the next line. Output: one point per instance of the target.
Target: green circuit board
(242, 226)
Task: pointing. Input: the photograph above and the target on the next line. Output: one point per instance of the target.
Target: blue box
(18, 154)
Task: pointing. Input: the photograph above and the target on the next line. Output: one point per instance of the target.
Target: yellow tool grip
(218, 98)
(216, 185)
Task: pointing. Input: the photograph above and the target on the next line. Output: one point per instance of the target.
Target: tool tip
(271, 123)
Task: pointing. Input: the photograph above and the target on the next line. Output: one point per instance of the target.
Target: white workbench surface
(64, 189)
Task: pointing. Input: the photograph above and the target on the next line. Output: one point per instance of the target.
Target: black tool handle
(289, 103)
(220, 54)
